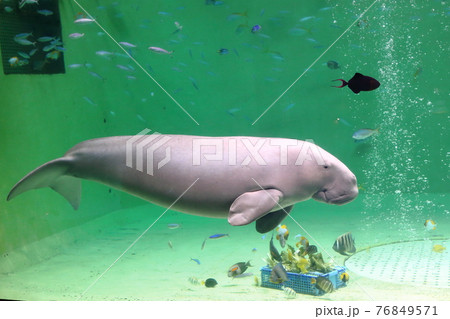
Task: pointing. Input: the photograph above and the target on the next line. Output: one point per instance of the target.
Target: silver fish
(345, 244)
(160, 50)
(324, 284)
(84, 21)
(127, 44)
(364, 133)
(76, 35)
(278, 274)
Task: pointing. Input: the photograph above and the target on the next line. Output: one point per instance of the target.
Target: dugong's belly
(195, 175)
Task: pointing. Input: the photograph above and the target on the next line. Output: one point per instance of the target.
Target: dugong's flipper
(251, 206)
(51, 174)
(272, 220)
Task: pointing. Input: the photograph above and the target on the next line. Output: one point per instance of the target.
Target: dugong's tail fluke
(52, 174)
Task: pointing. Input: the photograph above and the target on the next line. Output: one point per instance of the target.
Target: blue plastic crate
(301, 283)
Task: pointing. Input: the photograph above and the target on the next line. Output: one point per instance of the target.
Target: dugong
(241, 178)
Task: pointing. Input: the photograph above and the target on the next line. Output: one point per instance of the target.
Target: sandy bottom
(111, 258)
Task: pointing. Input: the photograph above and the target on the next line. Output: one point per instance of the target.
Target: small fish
(418, 72)
(84, 21)
(160, 50)
(53, 55)
(48, 47)
(14, 61)
(364, 133)
(194, 281)
(333, 65)
(303, 241)
(8, 9)
(278, 274)
(104, 53)
(45, 39)
(273, 251)
(123, 67)
(89, 100)
(238, 269)
(203, 244)
(210, 283)
(96, 75)
(254, 250)
(438, 248)
(179, 27)
(76, 35)
(223, 51)
(170, 244)
(359, 83)
(23, 41)
(23, 35)
(282, 234)
(196, 260)
(289, 292)
(32, 52)
(290, 106)
(173, 226)
(345, 244)
(217, 236)
(75, 65)
(256, 28)
(24, 55)
(45, 12)
(324, 284)
(344, 277)
(127, 44)
(430, 224)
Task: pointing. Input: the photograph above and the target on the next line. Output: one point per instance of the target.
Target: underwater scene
(301, 150)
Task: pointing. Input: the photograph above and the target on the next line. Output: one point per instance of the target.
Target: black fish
(311, 249)
(210, 283)
(273, 251)
(324, 284)
(345, 244)
(359, 83)
(278, 274)
(333, 65)
(238, 269)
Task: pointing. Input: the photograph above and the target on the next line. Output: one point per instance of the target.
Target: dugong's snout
(342, 192)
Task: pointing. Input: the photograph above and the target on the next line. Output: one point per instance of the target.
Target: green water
(402, 171)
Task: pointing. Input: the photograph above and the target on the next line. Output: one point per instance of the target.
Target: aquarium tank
(367, 81)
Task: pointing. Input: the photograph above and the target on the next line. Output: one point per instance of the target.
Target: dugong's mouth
(326, 197)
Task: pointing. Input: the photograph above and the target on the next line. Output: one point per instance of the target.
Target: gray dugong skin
(244, 179)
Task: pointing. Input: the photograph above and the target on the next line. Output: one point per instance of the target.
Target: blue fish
(216, 236)
(256, 28)
(223, 51)
(196, 260)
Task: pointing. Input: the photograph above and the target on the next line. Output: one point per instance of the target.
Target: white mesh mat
(412, 262)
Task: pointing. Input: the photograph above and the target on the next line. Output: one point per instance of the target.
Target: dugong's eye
(325, 166)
